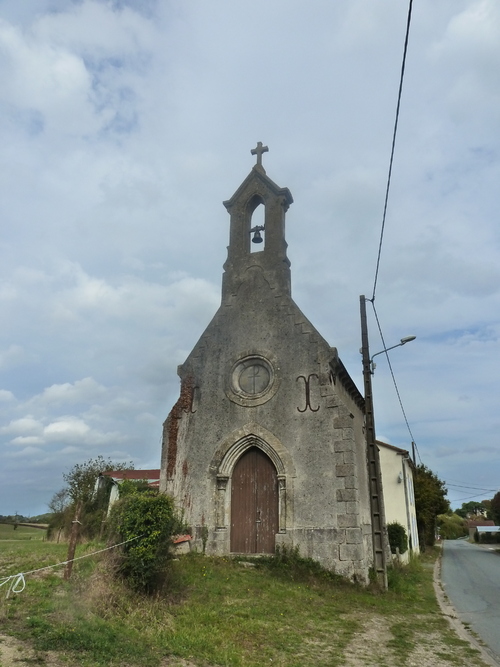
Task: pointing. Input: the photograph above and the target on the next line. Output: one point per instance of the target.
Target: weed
(288, 563)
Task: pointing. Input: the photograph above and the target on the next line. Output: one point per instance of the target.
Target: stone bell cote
(272, 262)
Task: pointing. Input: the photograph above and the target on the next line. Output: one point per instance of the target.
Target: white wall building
(399, 496)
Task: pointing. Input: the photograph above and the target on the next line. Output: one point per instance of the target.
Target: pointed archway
(254, 504)
(281, 470)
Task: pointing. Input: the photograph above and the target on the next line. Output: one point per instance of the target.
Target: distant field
(7, 532)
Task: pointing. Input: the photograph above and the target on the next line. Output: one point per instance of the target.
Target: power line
(386, 200)
(470, 488)
(394, 381)
(403, 65)
(477, 495)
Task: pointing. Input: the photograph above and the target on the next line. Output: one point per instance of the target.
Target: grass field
(7, 532)
(222, 612)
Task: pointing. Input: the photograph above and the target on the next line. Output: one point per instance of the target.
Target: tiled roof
(133, 474)
(396, 449)
(480, 522)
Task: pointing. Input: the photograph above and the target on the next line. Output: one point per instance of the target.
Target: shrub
(489, 538)
(452, 526)
(153, 520)
(397, 537)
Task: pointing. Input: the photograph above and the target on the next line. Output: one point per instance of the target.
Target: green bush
(397, 537)
(489, 538)
(452, 526)
(152, 519)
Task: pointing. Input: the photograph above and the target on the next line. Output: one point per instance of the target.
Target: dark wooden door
(254, 504)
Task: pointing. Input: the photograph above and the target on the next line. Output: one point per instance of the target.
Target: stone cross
(258, 152)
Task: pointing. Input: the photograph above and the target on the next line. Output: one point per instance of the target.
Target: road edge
(456, 624)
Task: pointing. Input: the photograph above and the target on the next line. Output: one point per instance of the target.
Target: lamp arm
(386, 350)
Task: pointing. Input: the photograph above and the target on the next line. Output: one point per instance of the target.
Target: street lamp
(406, 339)
(379, 528)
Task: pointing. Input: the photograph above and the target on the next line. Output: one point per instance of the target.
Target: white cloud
(24, 453)
(86, 390)
(125, 125)
(24, 425)
(6, 396)
(27, 440)
(66, 427)
(11, 356)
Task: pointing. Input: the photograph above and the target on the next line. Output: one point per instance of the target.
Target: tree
(495, 508)
(452, 526)
(59, 501)
(430, 500)
(82, 477)
(472, 508)
(58, 506)
(81, 488)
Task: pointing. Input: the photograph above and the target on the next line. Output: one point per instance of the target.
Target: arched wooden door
(254, 504)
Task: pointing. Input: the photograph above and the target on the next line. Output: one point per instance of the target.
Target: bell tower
(256, 190)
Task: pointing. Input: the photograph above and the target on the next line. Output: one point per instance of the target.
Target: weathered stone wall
(321, 431)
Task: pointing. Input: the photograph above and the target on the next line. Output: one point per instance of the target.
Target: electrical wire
(477, 495)
(386, 200)
(394, 380)
(470, 488)
(403, 65)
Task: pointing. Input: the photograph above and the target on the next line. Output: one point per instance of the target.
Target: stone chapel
(265, 445)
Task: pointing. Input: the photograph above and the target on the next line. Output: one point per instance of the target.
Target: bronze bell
(257, 238)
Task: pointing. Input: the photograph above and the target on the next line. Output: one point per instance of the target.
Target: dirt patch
(371, 647)
(15, 653)
(374, 633)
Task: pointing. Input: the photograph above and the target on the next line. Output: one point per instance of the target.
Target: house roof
(480, 522)
(149, 475)
(398, 450)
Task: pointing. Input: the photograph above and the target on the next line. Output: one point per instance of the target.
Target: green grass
(218, 612)
(7, 532)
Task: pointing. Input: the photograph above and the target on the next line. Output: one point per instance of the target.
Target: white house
(399, 497)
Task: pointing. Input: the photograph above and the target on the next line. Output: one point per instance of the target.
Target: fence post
(73, 540)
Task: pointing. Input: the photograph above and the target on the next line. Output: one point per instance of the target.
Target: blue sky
(124, 125)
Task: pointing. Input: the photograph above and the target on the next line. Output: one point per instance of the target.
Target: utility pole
(379, 530)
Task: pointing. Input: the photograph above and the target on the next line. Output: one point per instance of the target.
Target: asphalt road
(471, 579)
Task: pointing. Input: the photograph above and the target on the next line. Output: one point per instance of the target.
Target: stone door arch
(254, 504)
(229, 452)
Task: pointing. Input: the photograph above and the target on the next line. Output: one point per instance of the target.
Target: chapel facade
(265, 445)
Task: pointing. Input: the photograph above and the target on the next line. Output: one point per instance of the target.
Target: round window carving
(253, 378)
(252, 381)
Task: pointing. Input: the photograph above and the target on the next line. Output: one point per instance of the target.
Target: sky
(124, 124)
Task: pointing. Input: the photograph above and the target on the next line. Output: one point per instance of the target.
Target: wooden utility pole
(75, 529)
(379, 530)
